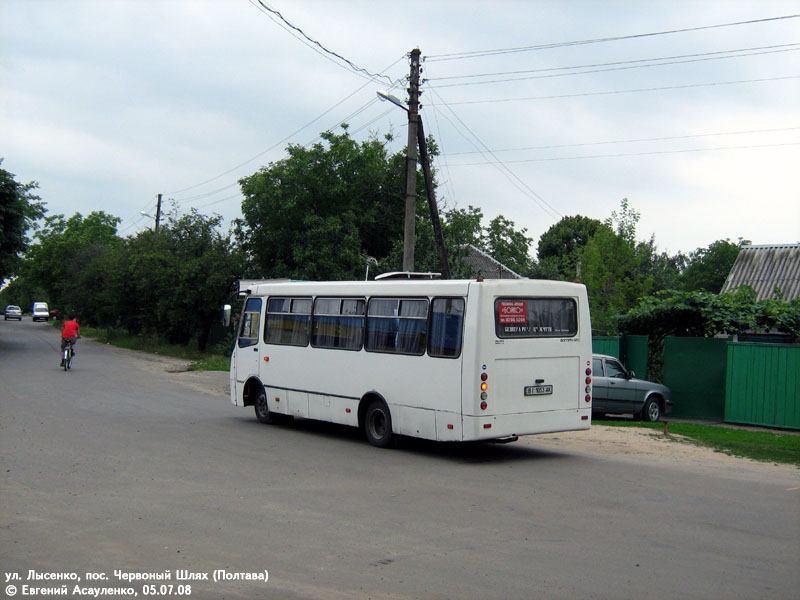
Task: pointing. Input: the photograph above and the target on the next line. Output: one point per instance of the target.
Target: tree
(19, 209)
(319, 213)
(174, 282)
(618, 270)
(64, 254)
(560, 246)
(708, 268)
(507, 245)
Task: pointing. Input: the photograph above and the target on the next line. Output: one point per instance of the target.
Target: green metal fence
(630, 349)
(610, 345)
(763, 385)
(694, 371)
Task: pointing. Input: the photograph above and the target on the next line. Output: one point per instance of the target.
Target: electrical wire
(501, 166)
(607, 70)
(280, 142)
(616, 63)
(625, 154)
(355, 68)
(483, 53)
(638, 140)
(630, 91)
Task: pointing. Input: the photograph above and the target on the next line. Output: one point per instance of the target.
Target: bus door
(246, 362)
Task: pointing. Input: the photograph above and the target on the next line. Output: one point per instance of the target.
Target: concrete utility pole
(158, 213)
(411, 163)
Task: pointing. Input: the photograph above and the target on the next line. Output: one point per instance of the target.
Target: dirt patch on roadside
(639, 444)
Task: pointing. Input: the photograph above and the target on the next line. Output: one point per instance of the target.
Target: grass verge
(759, 445)
(201, 361)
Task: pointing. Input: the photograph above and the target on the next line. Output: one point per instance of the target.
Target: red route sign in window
(512, 312)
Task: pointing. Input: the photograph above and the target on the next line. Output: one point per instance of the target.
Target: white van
(40, 311)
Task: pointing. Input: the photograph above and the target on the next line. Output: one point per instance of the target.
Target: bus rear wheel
(261, 407)
(378, 424)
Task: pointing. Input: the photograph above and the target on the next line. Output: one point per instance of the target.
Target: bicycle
(66, 356)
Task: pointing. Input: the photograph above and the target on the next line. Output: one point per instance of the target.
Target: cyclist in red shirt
(70, 331)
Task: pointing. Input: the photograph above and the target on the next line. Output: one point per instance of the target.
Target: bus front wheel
(261, 408)
(378, 424)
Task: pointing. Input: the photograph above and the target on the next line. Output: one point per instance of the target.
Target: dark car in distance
(616, 391)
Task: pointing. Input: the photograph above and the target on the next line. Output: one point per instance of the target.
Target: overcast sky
(108, 103)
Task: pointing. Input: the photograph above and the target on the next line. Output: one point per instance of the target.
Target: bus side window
(338, 323)
(396, 325)
(248, 334)
(447, 326)
(288, 321)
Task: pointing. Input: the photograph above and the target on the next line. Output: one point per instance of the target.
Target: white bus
(453, 360)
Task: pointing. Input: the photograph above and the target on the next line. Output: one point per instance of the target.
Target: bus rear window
(535, 317)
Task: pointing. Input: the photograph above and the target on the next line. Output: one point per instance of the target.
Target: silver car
(13, 312)
(616, 391)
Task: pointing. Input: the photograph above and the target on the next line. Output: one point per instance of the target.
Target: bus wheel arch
(375, 420)
(255, 395)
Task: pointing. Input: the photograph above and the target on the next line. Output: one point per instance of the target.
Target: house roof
(766, 267)
(485, 266)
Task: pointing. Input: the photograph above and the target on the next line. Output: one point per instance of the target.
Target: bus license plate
(538, 390)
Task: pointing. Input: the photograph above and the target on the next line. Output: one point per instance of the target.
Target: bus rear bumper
(507, 426)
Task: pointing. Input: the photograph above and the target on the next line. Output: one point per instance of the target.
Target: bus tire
(261, 407)
(378, 424)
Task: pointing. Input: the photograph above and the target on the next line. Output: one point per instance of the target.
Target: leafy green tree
(508, 245)
(64, 253)
(173, 283)
(559, 247)
(708, 268)
(320, 212)
(618, 270)
(19, 209)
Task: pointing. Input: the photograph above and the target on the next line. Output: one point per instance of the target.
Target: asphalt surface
(122, 466)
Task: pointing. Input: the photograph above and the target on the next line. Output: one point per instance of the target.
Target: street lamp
(384, 95)
(158, 213)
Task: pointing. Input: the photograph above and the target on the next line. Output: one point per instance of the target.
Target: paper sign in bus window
(512, 312)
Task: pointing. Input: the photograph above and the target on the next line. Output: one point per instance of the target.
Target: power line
(637, 140)
(482, 53)
(737, 52)
(287, 138)
(617, 68)
(624, 154)
(630, 91)
(502, 167)
(314, 42)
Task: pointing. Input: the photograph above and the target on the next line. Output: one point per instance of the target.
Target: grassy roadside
(765, 446)
(201, 361)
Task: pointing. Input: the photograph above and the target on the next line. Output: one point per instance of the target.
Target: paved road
(121, 465)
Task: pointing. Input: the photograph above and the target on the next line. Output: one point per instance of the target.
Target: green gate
(763, 385)
(694, 371)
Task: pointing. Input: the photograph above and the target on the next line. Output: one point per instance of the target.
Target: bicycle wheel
(67, 362)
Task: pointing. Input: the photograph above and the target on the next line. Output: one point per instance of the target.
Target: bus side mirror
(226, 315)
